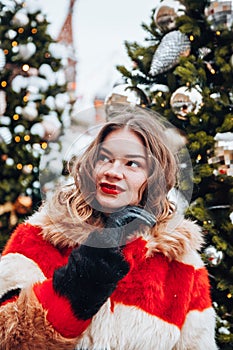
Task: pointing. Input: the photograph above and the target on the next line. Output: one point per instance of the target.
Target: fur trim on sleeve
(23, 324)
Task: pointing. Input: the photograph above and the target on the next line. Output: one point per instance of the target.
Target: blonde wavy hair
(163, 167)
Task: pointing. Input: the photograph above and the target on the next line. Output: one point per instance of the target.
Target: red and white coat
(163, 303)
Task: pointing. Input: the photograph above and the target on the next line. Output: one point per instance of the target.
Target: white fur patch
(192, 258)
(18, 271)
(130, 328)
(198, 331)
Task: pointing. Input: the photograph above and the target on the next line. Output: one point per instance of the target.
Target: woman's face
(121, 170)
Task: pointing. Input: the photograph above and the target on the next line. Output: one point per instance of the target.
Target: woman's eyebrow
(102, 149)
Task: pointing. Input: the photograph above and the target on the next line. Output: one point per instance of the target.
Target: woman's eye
(103, 158)
(133, 164)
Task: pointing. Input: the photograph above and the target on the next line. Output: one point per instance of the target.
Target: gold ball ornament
(185, 100)
(166, 13)
(23, 204)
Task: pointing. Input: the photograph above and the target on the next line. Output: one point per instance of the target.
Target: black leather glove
(94, 268)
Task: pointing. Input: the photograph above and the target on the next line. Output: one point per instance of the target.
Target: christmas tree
(34, 107)
(184, 71)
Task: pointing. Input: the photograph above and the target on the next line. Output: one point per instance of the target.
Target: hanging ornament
(37, 129)
(203, 52)
(23, 205)
(213, 255)
(11, 34)
(61, 101)
(2, 59)
(231, 217)
(30, 111)
(173, 45)
(8, 207)
(220, 14)
(27, 169)
(223, 156)
(26, 51)
(5, 135)
(185, 100)
(2, 102)
(231, 61)
(19, 129)
(4, 120)
(124, 94)
(52, 127)
(20, 19)
(40, 17)
(166, 14)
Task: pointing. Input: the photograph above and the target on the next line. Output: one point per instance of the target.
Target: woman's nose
(114, 169)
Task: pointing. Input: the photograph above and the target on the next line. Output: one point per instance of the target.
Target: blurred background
(99, 31)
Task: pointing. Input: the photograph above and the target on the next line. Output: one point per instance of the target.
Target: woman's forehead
(123, 141)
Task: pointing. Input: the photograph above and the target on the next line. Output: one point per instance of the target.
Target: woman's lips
(110, 189)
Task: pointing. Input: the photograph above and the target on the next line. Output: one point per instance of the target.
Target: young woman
(108, 263)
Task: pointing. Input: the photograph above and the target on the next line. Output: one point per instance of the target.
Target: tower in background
(65, 37)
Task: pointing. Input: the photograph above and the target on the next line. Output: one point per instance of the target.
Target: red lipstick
(110, 189)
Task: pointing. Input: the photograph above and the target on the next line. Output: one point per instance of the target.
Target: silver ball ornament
(121, 95)
(185, 100)
(166, 13)
(213, 255)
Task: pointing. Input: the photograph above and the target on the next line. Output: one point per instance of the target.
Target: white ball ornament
(19, 128)
(20, 18)
(30, 111)
(3, 103)
(166, 13)
(2, 59)
(5, 120)
(11, 34)
(40, 18)
(5, 135)
(52, 127)
(38, 129)
(51, 130)
(185, 100)
(26, 51)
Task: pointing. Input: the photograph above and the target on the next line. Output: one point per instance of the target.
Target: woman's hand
(94, 269)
